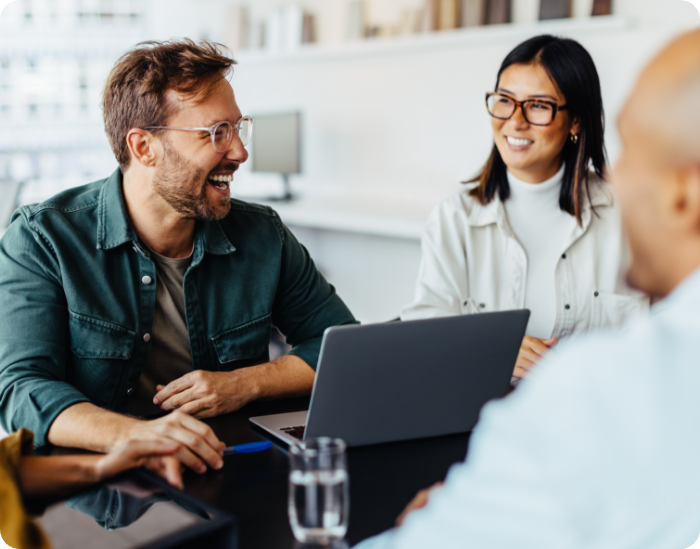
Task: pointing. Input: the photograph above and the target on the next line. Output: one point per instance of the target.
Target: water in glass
(318, 491)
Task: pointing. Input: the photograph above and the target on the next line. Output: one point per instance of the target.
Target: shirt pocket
(102, 351)
(615, 310)
(248, 342)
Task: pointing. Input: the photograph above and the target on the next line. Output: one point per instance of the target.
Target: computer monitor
(277, 146)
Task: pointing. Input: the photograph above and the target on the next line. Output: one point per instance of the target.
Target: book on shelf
(411, 21)
(431, 16)
(448, 14)
(602, 7)
(497, 12)
(555, 9)
(357, 20)
(473, 13)
(238, 28)
(308, 33)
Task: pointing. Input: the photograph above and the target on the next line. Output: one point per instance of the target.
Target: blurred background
(383, 103)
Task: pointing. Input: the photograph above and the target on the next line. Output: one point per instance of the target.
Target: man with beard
(598, 449)
(153, 291)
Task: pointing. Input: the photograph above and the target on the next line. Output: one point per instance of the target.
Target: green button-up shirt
(74, 309)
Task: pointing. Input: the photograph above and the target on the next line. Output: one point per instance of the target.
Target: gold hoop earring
(574, 138)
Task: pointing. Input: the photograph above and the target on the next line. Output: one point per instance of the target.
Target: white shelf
(418, 43)
(356, 212)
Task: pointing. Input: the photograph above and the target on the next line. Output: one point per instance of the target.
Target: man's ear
(143, 146)
(685, 196)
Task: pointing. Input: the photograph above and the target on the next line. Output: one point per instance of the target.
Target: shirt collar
(114, 227)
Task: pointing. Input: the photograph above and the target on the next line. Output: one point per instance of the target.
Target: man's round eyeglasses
(537, 112)
(221, 132)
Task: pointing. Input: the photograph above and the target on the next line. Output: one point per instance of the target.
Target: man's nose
(236, 150)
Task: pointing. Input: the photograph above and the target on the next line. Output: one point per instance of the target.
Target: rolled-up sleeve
(305, 303)
(34, 338)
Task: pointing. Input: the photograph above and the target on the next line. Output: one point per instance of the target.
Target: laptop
(397, 381)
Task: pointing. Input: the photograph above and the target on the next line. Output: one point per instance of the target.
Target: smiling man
(153, 290)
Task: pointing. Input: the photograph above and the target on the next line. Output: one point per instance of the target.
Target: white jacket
(473, 263)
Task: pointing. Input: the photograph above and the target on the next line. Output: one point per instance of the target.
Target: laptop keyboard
(296, 432)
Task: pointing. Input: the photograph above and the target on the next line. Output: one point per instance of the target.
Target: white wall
(413, 121)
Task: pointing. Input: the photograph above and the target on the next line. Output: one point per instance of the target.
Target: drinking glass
(319, 497)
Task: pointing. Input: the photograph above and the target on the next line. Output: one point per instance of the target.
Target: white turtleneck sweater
(540, 226)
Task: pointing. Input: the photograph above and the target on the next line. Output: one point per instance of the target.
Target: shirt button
(147, 337)
(129, 391)
(563, 256)
(482, 305)
(595, 294)
(134, 248)
(567, 307)
(146, 280)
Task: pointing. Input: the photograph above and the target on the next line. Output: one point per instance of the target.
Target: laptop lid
(413, 379)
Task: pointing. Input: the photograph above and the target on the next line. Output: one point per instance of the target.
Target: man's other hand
(420, 501)
(198, 446)
(532, 349)
(205, 394)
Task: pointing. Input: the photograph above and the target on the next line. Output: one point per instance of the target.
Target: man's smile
(220, 181)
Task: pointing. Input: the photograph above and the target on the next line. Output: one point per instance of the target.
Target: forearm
(86, 426)
(56, 475)
(285, 377)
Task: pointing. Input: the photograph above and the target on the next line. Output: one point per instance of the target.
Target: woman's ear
(576, 126)
(142, 147)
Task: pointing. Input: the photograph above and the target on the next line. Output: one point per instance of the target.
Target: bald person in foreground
(600, 447)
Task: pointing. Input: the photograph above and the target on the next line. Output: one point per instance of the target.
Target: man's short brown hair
(135, 93)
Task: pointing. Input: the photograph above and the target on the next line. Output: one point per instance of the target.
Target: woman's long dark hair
(569, 65)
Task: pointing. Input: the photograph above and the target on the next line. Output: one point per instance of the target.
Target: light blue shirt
(598, 449)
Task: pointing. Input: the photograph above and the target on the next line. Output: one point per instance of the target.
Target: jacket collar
(114, 227)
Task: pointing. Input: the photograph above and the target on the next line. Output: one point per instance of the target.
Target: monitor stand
(288, 196)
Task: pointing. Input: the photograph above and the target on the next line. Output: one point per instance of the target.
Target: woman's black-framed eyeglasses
(537, 112)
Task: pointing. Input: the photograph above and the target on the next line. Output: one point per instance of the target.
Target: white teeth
(518, 142)
(223, 181)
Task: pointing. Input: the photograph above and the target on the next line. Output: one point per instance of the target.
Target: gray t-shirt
(170, 357)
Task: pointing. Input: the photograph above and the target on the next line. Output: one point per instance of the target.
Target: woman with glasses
(537, 228)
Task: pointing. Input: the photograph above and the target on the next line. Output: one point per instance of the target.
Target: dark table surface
(253, 487)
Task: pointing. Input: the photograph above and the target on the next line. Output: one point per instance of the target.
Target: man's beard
(184, 187)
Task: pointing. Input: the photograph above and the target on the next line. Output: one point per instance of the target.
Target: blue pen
(248, 448)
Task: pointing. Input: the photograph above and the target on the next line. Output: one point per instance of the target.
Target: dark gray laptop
(406, 380)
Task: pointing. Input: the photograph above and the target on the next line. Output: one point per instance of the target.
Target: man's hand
(197, 445)
(206, 394)
(155, 455)
(420, 501)
(532, 349)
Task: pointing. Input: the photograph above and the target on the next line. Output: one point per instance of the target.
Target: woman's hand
(532, 349)
(155, 455)
(58, 475)
(420, 501)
